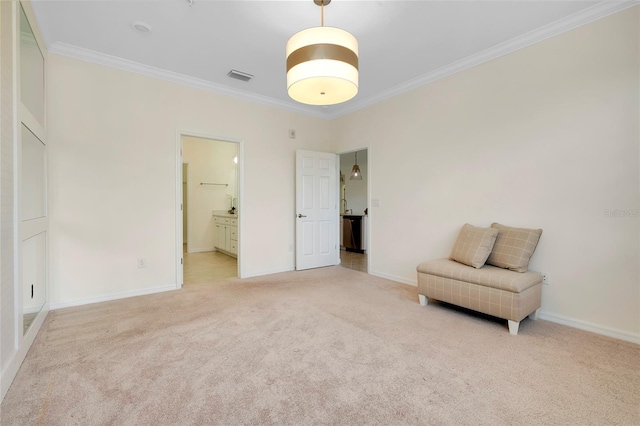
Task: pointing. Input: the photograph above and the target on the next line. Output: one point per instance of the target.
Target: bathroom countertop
(224, 213)
(349, 214)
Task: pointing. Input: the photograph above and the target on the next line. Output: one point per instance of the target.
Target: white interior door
(316, 210)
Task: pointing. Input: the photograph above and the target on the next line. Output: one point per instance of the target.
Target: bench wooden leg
(534, 315)
(423, 299)
(513, 327)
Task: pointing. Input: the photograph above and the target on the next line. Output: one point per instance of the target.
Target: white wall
(209, 161)
(356, 190)
(112, 177)
(545, 137)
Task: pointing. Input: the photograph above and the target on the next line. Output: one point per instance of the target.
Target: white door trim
(178, 212)
(188, 219)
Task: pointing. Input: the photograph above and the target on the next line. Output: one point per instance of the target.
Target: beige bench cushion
(513, 247)
(489, 276)
(473, 245)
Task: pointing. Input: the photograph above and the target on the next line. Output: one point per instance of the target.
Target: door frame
(368, 221)
(178, 200)
(185, 219)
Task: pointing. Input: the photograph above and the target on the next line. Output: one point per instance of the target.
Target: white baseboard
(394, 278)
(108, 297)
(31, 309)
(228, 253)
(588, 326)
(200, 249)
(266, 272)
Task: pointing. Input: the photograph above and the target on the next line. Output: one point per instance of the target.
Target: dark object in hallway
(353, 233)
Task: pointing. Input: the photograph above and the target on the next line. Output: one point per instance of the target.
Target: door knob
(301, 216)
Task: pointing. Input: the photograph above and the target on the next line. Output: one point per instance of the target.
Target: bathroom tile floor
(351, 260)
(200, 268)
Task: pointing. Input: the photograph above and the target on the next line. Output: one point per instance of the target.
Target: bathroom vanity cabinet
(226, 238)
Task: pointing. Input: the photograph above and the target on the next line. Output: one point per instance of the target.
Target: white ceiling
(403, 44)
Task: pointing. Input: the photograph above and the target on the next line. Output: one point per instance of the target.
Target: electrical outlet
(142, 262)
(546, 278)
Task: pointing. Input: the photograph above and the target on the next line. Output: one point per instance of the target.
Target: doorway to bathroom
(210, 209)
(354, 210)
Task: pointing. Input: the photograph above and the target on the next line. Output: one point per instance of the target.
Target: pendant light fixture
(356, 174)
(322, 64)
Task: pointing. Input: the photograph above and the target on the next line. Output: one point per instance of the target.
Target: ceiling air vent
(239, 75)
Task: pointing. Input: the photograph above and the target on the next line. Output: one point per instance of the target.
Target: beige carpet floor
(328, 346)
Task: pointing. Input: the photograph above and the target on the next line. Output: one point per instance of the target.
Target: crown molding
(586, 16)
(591, 14)
(92, 56)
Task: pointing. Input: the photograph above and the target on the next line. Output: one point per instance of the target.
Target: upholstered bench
(491, 290)
(504, 289)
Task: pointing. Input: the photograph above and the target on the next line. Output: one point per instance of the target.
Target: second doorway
(354, 211)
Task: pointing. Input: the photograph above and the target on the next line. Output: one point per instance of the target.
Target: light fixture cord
(322, 13)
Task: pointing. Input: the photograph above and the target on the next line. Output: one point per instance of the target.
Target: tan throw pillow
(514, 247)
(473, 245)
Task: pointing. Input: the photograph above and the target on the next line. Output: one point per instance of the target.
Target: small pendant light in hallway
(355, 172)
